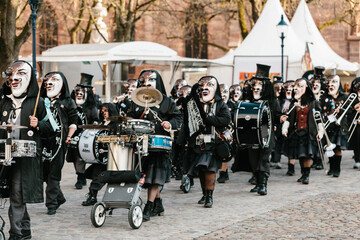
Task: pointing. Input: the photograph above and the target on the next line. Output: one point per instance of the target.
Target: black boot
(227, 175)
(256, 180)
(331, 164)
(202, 200)
(158, 208)
(78, 184)
(291, 170)
(222, 177)
(91, 198)
(147, 210)
(209, 199)
(302, 175)
(337, 164)
(252, 180)
(83, 179)
(319, 165)
(306, 175)
(263, 183)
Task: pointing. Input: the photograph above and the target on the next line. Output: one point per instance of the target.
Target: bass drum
(253, 124)
(90, 150)
(53, 144)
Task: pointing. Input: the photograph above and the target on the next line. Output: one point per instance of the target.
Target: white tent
(320, 52)
(263, 41)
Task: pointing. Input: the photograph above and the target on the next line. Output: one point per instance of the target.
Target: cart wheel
(98, 215)
(135, 216)
(2, 235)
(185, 184)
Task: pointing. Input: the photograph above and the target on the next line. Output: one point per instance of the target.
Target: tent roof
(149, 52)
(320, 52)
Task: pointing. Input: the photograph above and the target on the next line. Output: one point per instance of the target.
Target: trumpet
(120, 98)
(344, 107)
(354, 123)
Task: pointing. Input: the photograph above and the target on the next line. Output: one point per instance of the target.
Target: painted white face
(235, 93)
(53, 84)
(316, 86)
(147, 79)
(208, 87)
(105, 112)
(257, 86)
(299, 89)
(131, 87)
(184, 92)
(288, 88)
(80, 95)
(277, 89)
(333, 85)
(225, 93)
(18, 76)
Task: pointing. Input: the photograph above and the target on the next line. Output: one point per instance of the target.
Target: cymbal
(117, 118)
(94, 126)
(11, 127)
(146, 96)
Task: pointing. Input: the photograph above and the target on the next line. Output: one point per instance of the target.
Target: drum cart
(124, 180)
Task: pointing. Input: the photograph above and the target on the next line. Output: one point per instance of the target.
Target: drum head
(265, 125)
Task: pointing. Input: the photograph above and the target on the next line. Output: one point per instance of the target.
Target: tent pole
(106, 69)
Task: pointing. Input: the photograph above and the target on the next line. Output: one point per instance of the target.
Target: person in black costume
(300, 128)
(26, 173)
(205, 117)
(157, 166)
(123, 102)
(87, 114)
(175, 90)
(55, 91)
(262, 89)
(354, 141)
(338, 134)
(92, 172)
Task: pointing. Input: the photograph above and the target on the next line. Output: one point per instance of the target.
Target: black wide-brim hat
(319, 72)
(85, 80)
(262, 72)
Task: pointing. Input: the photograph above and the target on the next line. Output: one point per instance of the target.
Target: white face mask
(257, 89)
(207, 89)
(299, 89)
(316, 86)
(131, 88)
(20, 78)
(148, 79)
(333, 86)
(54, 84)
(236, 93)
(225, 94)
(288, 88)
(80, 96)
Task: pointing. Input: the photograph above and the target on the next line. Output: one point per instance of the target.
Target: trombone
(317, 119)
(344, 107)
(354, 123)
(329, 145)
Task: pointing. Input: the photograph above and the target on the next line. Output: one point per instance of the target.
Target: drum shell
(20, 148)
(120, 157)
(90, 151)
(160, 143)
(138, 126)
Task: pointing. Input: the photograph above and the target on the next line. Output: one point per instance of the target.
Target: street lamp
(282, 29)
(34, 4)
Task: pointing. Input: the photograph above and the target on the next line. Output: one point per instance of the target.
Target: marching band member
(223, 171)
(92, 172)
(300, 128)
(55, 91)
(205, 117)
(318, 86)
(157, 165)
(17, 108)
(235, 96)
(87, 114)
(175, 90)
(123, 102)
(338, 135)
(276, 153)
(354, 141)
(262, 89)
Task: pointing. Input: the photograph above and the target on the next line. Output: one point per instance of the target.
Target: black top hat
(262, 72)
(277, 79)
(85, 80)
(319, 72)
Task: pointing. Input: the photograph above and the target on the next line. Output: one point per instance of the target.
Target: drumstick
(37, 101)
(155, 115)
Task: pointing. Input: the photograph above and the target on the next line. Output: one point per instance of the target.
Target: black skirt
(203, 160)
(157, 168)
(299, 146)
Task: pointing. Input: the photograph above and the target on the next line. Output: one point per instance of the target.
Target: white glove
(321, 130)
(285, 128)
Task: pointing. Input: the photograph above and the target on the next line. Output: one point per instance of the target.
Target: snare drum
(159, 143)
(253, 124)
(120, 157)
(90, 150)
(138, 126)
(19, 148)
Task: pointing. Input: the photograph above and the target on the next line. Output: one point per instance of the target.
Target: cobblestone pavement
(326, 208)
